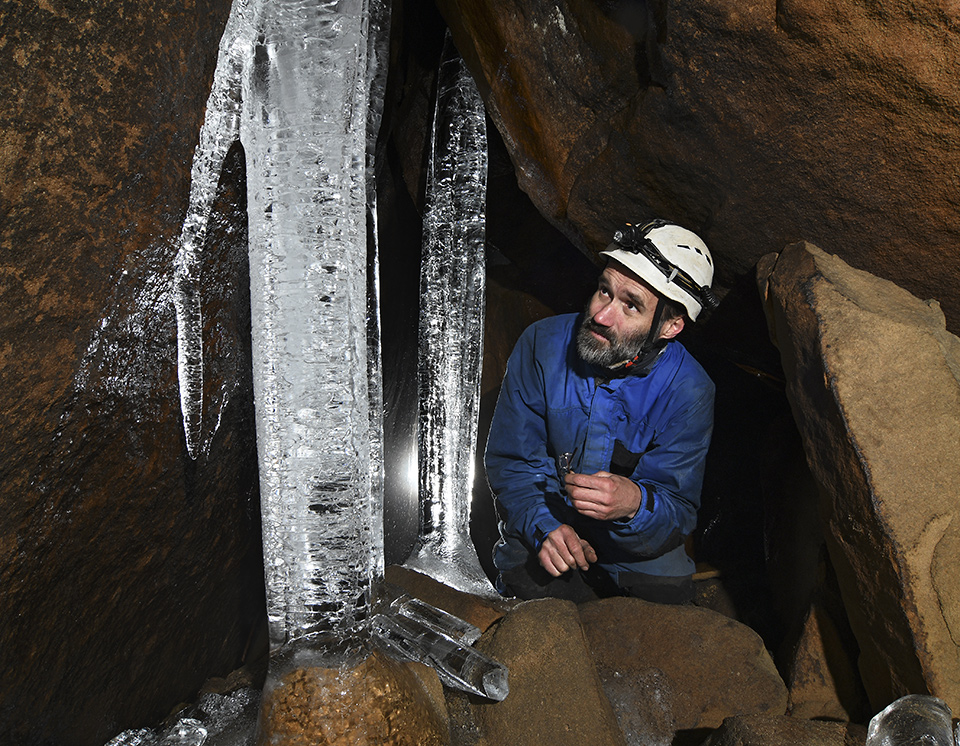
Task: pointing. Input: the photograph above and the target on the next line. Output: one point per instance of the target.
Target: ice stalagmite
(452, 289)
(304, 129)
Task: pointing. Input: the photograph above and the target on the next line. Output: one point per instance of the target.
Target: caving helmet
(674, 261)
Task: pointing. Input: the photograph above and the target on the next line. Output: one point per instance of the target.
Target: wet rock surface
(873, 384)
(129, 573)
(755, 125)
(555, 692)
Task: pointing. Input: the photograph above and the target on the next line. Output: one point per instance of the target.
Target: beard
(617, 349)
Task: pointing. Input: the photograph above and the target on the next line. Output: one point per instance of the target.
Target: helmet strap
(653, 336)
(651, 347)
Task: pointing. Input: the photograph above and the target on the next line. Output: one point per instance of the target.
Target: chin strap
(652, 346)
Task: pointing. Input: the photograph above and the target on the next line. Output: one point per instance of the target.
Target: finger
(590, 511)
(549, 562)
(578, 480)
(567, 553)
(577, 556)
(588, 551)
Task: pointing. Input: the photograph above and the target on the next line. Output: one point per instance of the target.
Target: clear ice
(304, 129)
(292, 81)
(916, 719)
(452, 291)
(221, 128)
(301, 83)
(458, 665)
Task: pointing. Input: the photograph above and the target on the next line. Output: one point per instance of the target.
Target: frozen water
(305, 134)
(378, 53)
(230, 719)
(452, 290)
(185, 732)
(215, 720)
(134, 737)
(292, 82)
(454, 627)
(458, 665)
(913, 720)
(221, 128)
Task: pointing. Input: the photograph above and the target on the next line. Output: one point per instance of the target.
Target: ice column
(292, 82)
(451, 329)
(304, 130)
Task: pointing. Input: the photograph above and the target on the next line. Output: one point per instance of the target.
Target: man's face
(617, 319)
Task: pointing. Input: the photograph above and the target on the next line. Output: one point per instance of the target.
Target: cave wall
(754, 124)
(129, 573)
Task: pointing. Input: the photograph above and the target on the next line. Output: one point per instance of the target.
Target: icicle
(451, 330)
(221, 128)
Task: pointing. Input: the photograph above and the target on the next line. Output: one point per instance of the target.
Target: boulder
(378, 701)
(769, 730)
(873, 385)
(754, 124)
(821, 674)
(690, 667)
(556, 696)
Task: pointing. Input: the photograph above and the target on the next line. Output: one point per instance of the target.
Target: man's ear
(671, 327)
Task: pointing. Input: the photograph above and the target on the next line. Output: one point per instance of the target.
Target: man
(597, 446)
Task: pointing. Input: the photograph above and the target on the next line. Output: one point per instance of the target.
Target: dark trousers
(530, 581)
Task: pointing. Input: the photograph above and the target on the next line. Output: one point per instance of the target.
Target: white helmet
(674, 261)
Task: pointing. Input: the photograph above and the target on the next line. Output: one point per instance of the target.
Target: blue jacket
(654, 429)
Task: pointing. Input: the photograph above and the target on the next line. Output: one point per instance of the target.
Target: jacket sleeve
(670, 475)
(521, 473)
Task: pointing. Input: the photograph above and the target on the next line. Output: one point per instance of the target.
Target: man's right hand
(563, 550)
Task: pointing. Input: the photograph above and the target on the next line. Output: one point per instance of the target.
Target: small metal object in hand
(565, 463)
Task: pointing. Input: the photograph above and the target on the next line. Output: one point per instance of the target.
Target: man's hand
(563, 550)
(603, 495)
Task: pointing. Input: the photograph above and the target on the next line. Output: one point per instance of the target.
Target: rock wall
(874, 384)
(130, 574)
(754, 124)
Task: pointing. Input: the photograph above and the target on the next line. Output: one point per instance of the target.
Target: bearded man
(597, 447)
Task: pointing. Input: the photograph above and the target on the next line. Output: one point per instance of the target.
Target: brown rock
(754, 124)
(380, 701)
(130, 574)
(822, 679)
(873, 384)
(704, 666)
(555, 694)
(769, 730)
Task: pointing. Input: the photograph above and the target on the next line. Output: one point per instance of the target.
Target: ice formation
(913, 719)
(304, 129)
(292, 81)
(221, 128)
(300, 82)
(452, 290)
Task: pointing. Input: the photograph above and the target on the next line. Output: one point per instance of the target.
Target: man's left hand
(604, 496)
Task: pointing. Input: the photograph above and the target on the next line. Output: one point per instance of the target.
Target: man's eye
(604, 292)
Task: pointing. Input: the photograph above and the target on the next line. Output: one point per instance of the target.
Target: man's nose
(604, 316)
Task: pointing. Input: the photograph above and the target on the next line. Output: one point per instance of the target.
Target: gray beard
(595, 352)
